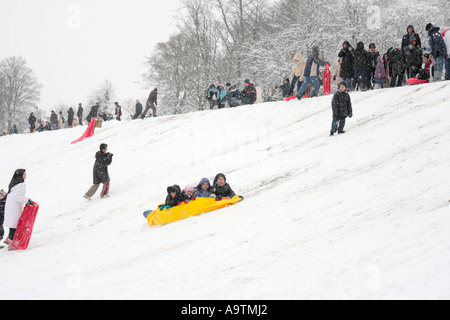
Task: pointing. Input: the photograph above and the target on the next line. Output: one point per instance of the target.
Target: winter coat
(380, 72)
(14, 205)
(173, 202)
(234, 96)
(406, 40)
(70, 115)
(347, 70)
(413, 55)
(32, 121)
(361, 58)
(445, 32)
(396, 63)
(93, 113)
(80, 112)
(221, 97)
(211, 92)
(199, 192)
(54, 119)
(118, 111)
(299, 67)
(224, 191)
(314, 63)
(372, 58)
(342, 105)
(437, 43)
(248, 95)
(103, 160)
(153, 98)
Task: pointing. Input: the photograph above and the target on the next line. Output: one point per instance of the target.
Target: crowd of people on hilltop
(359, 68)
(363, 69)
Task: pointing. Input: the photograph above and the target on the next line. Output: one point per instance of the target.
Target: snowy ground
(361, 215)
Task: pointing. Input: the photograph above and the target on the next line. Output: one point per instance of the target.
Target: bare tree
(104, 95)
(20, 90)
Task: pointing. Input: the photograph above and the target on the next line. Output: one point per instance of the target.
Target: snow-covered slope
(360, 215)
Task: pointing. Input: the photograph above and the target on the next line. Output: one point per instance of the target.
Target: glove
(30, 203)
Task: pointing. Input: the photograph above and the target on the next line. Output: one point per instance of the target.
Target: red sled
(414, 81)
(25, 226)
(290, 98)
(327, 80)
(88, 133)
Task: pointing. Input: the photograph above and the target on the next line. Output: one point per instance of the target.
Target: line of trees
(231, 40)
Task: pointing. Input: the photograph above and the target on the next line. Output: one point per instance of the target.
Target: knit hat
(247, 81)
(189, 188)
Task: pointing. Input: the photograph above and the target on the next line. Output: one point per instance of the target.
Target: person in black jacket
(93, 113)
(80, 114)
(347, 71)
(342, 108)
(32, 122)
(407, 38)
(174, 196)
(221, 188)
(361, 66)
(70, 115)
(102, 160)
(2, 213)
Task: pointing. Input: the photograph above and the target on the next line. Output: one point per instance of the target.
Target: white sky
(74, 46)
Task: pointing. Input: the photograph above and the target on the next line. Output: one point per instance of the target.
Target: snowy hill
(361, 215)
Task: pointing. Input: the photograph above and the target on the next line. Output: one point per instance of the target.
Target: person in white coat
(15, 202)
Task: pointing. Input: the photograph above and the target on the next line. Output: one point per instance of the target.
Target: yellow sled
(186, 210)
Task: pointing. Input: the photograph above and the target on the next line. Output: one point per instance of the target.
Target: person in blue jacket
(233, 96)
(203, 189)
(438, 50)
(221, 96)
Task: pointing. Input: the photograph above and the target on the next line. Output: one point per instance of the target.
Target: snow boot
(87, 197)
(11, 247)
(331, 133)
(299, 97)
(341, 132)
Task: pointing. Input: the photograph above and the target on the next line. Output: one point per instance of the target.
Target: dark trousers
(80, 121)
(12, 232)
(337, 124)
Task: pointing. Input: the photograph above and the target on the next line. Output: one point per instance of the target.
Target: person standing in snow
(152, 103)
(341, 106)
(138, 110)
(396, 67)
(222, 96)
(413, 58)
(80, 114)
(70, 115)
(380, 74)
(54, 120)
(312, 72)
(297, 74)
(438, 50)
(373, 55)
(102, 160)
(93, 113)
(32, 122)
(15, 201)
(407, 38)
(362, 65)
(347, 71)
(118, 111)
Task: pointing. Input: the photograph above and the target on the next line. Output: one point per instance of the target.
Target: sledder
(176, 207)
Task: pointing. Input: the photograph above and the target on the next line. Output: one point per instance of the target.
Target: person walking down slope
(102, 160)
(15, 202)
(152, 103)
(342, 108)
(312, 72)
(298, 71)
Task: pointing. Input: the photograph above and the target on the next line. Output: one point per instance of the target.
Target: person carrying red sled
(15, 201)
